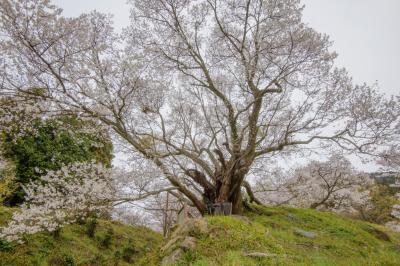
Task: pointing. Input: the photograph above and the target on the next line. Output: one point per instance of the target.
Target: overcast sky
(366, 33)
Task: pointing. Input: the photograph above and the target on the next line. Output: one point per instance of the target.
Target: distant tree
(203, 89)
(330, 185)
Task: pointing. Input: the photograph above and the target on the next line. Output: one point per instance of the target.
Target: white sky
(366, 33)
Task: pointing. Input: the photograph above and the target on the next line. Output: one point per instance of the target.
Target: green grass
(339, 241)
(74, 247)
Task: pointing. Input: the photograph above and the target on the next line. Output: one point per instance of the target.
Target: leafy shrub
(6, 245)
(63, 260)
(98, 260)
(106, 240)
(56, 233)
(91, 226)
(117, 255)
(68, 260)
(128, 252)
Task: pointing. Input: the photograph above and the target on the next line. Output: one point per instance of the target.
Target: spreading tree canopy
(204, 89)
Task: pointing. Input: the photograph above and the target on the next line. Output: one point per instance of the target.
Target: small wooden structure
(223, 208)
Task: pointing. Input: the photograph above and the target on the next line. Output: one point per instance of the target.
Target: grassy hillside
(286, 236)
(266, 236)
(113, 244)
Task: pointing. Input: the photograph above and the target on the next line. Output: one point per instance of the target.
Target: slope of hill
(264, 236)
(113, 244)
(282, 236)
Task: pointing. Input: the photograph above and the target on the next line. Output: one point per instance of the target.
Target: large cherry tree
(203, 89)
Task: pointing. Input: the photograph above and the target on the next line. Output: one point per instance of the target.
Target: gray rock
(172, 258)
(304, 233)
(171, 244)
(292, 217)
(192, 227)
(189, 243)
(259, 255)
(183, 239)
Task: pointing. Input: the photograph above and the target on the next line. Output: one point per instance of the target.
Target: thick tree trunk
(230, 191)
(237, 203)
(226, 185)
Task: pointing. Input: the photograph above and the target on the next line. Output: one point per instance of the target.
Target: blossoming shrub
(61, 197)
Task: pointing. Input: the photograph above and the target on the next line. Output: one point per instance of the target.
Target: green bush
(62, 260)
(128, 252)
(91, 226)
(56, 233)
(68, 260)
(6, 245)
(106, 240)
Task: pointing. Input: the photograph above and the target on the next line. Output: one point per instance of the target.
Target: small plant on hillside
(62, 260)
(6, 245)
(68, 260)
(91, 226)
(106, 241)
(56, 233)
(117, 257)
(128, 252)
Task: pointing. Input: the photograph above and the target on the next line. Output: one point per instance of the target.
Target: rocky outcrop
(183, 239)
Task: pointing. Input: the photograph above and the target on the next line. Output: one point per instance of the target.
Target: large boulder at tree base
(183, 239)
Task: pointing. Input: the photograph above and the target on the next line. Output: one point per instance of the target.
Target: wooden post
(165, 227)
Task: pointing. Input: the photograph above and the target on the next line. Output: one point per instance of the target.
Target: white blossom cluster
(18, 114)
(61, 197)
